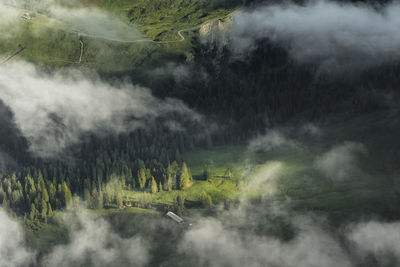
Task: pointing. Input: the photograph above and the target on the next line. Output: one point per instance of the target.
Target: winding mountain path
(81, 54)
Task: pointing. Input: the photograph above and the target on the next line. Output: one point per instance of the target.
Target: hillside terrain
(282, 173)
(146, 33)
(199, 133)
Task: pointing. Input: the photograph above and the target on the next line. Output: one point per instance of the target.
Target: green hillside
(118, 36)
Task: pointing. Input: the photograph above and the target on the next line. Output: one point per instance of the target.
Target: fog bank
(53, 111)
(330, 34)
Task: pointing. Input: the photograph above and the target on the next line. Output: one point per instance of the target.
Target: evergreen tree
(119, 199)
(123, 180)
(43, 213)
(86, 196)
(45, 195)
(109, 194)
(205, 199)
(66, 195)
(160, 186)
(179, 204)
(154, 188)
(32, 213)
(184, 177)
(14, 178)
(169, 182)
(49, 210)
(52, 192)
(30, 187)
(100, 200)
(142, 178)
(94, 199)
(148, 175)
(171, 173)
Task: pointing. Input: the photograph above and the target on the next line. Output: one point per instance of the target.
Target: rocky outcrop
(216, 30)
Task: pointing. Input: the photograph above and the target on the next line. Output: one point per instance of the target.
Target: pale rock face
(206, 28)
(216, 30)
(189, 57)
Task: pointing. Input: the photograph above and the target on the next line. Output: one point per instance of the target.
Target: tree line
(36, 198)
(97, 170)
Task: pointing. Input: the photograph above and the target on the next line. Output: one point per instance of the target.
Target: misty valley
(199, 133)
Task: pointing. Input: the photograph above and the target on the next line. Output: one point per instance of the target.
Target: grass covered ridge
(138, 34)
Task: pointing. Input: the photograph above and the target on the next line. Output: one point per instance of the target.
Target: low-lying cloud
(341, 162)
(231, 241)
(13, 250)
(95, 23)
(215, 245)
(263, 182)
(331, 34)
(53, 111)
(272, 140)
(89, 21)
(9, 18)
(245, 235)
(378, 239)
(93, 243)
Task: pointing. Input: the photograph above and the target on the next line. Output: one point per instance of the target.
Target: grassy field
(109, 33)
(288, 173)
(219, 189)
(44, 40)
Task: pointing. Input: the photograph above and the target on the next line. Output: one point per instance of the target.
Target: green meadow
(118, 36)
(288, 174)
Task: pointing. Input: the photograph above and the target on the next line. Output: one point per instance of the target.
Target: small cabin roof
(174, 217)
(27, 16)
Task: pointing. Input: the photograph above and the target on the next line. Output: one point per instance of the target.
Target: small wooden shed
(27, 16)
(174, 217)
